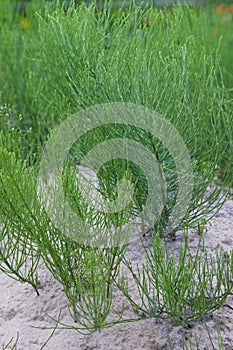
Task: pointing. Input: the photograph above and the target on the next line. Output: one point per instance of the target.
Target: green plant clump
(65, 60)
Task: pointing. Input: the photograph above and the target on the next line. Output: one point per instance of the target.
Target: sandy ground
(21, 308)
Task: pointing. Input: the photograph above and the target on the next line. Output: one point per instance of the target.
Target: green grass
(63, 61)
(79, 79)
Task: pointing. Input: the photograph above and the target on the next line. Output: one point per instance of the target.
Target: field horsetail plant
(120, 126)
